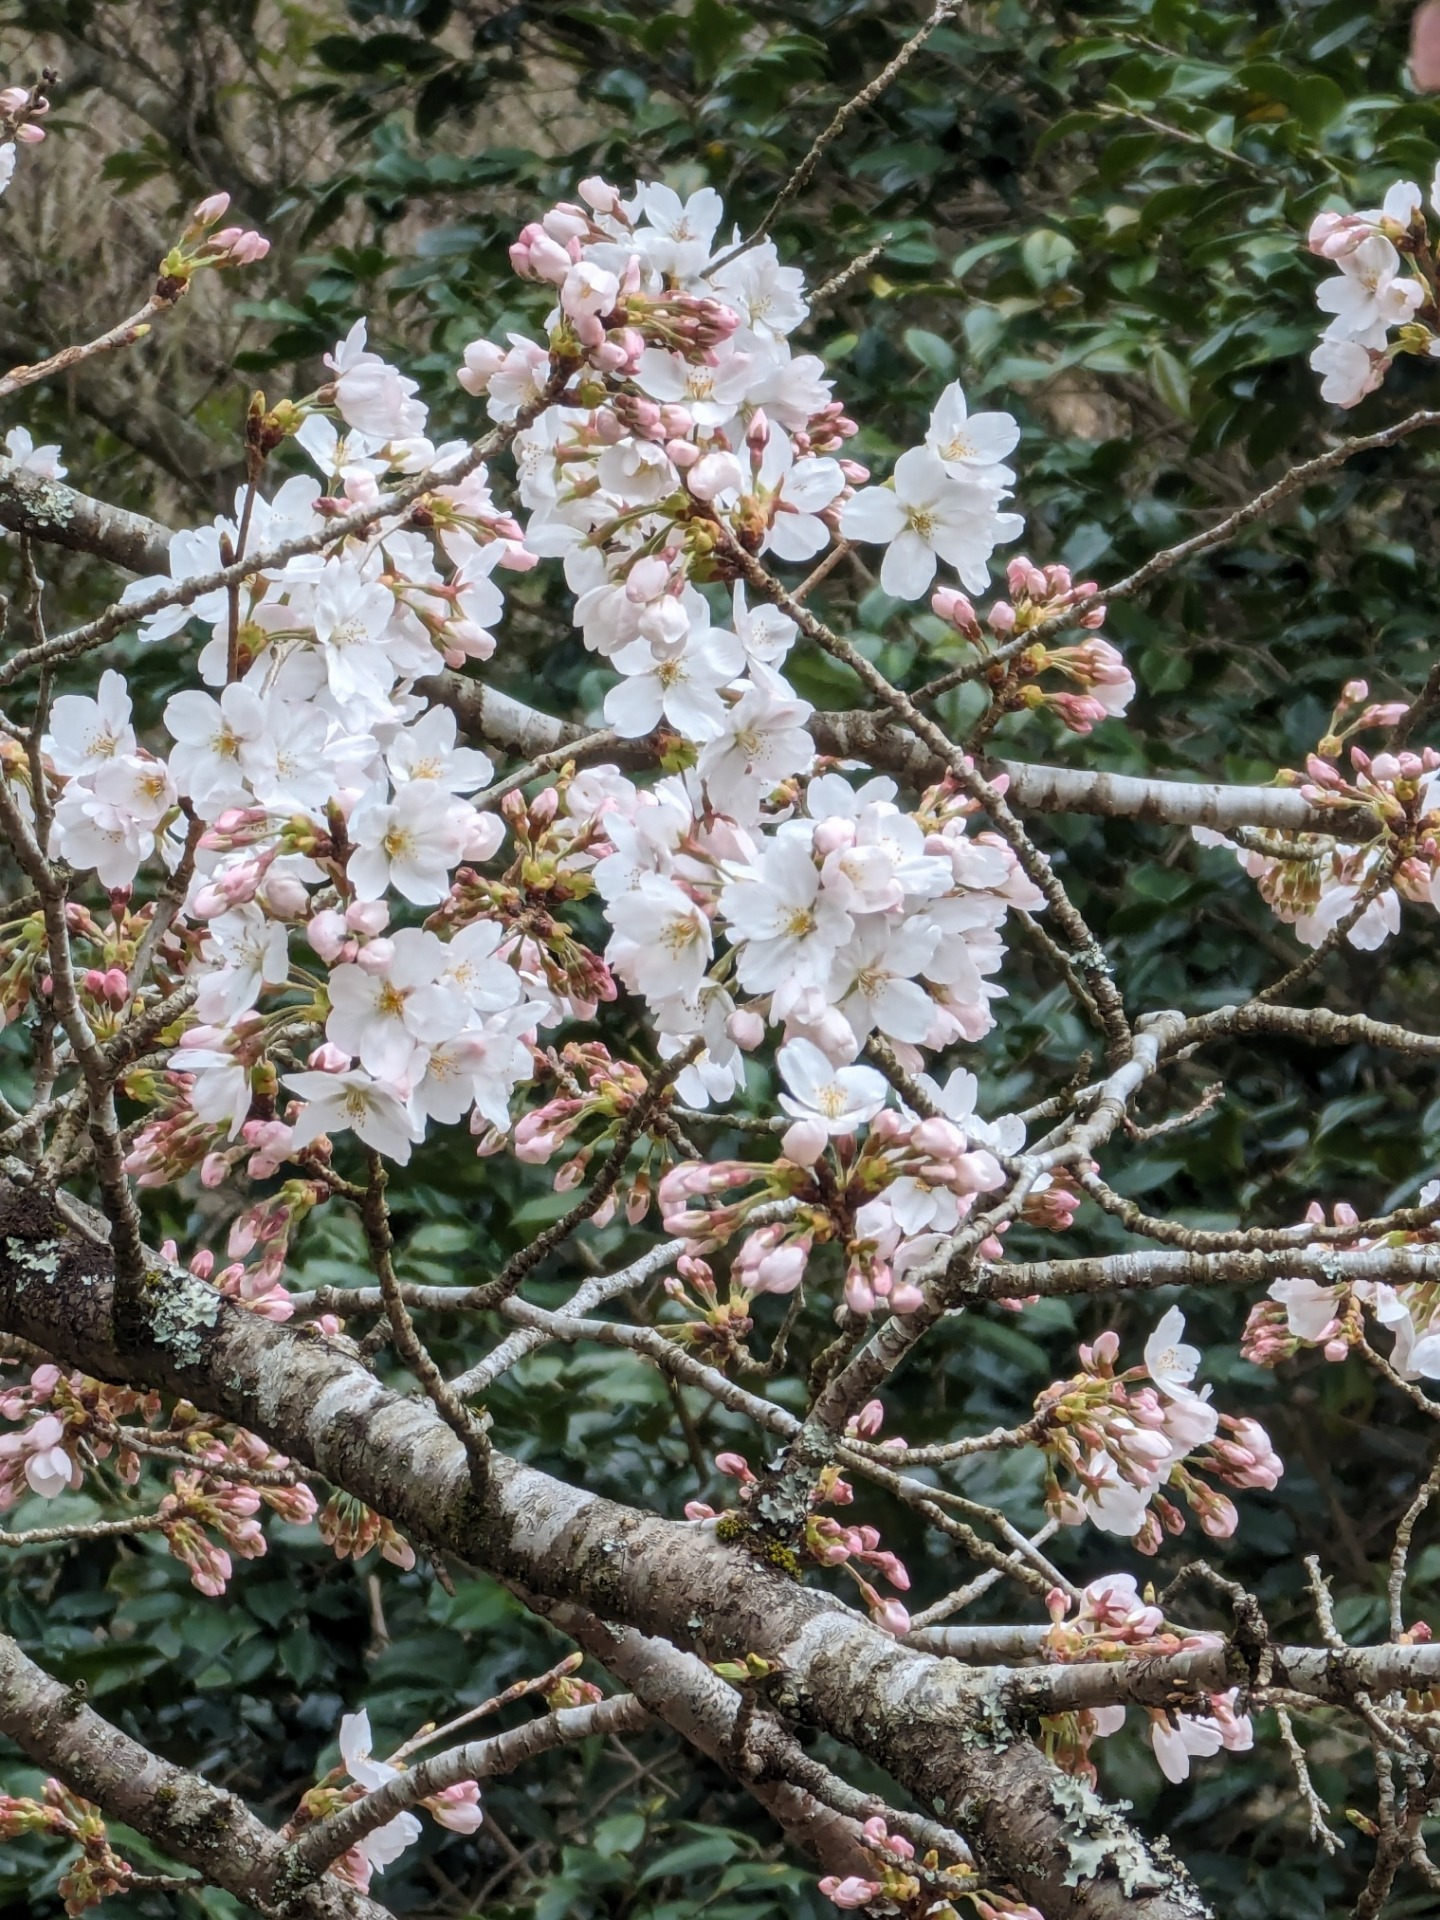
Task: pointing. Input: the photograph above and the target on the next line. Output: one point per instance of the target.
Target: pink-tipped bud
(369, 917)
(746, 1028)
(327, 934)
(328, 1058)
(803, 1142)
(599, 194)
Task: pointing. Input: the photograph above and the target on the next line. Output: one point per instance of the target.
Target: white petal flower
(840, 1098)
(1170, 1364)
(85, 733)
(353, 1101)
(967, 444)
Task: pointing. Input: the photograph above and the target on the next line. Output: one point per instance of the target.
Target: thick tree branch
(882, 742)
(201, 1826)
(48, 510)
(927, 1722)
(1142, 1272)
(1155, 1680)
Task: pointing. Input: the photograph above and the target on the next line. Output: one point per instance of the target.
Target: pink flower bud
(1219, 1518)
(891, 1617)
(599, 194)
(746, 1028)
(328, 1058)
(1106, 1348)
(368, 917)
(327, 934)
(803, 1142)
(376, 957)
(978, 1172)
(284, 895)
(713, 475)
(606, 1210)
(859, 1294)
(783, 1270)
(210, 210)
(834, 836)
(940, 1138)
(954, 607)
(849, 1892)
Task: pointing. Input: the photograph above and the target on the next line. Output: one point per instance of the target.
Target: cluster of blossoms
(1385, 284)
(825, 1541)
(1302, 1312)
(456, 1807)
(1112, 1622)
(890, 1201)
(903, 1887)
(1317, 881)
(1038, 597)
(849, 918)
(98, 1872)
(1127, 1438)
(71, 1424)
(668, 431)
(21, 110)
(374, 944)
(895, 1889)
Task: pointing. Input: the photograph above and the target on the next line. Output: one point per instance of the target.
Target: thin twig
(823, 141)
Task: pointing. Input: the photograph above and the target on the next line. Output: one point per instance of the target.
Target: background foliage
(1090, 214)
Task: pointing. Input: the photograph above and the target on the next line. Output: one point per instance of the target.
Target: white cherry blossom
(85, 733)
(971, 446)
(354, 1101)
(662, 942)
(411, 843)
(840, 1099)
(925, 515)
(682, 689)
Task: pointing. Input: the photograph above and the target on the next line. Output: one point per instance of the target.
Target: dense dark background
(1093, 215)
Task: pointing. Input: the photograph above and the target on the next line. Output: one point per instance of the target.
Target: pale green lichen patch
(182, 1311)
(33, 1259)
(1099, 1841)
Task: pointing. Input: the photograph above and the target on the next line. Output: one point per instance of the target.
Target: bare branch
(125, 334)
(1324, 1673)
(1142, 1272)
(800, 178)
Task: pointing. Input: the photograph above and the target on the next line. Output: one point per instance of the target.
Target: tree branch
(48, 510)
(201, 1826)
(314, 1849)
(921, 1719)
(1142, 1272)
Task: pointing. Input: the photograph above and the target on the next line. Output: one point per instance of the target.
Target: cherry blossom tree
(303, 930)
